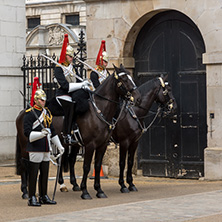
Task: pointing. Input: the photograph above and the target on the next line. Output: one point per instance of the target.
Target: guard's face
(69, 58)
(41, 102)
(105, 63)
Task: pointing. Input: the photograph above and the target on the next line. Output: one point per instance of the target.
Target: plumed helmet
(39, 94)
(105, 56)
(70, 51)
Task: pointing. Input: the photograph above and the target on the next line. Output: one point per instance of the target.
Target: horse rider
(101, 62)
(39, 130)
(68, 86)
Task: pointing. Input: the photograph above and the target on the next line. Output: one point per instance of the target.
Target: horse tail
(18, 157)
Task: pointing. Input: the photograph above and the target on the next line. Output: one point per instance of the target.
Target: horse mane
(145, 87)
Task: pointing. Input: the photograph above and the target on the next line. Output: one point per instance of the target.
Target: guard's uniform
(38, 146)
(32, 124)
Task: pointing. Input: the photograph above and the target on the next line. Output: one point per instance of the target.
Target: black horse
(95, 125)
(130, 127)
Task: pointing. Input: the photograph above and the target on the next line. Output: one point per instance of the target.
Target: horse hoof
(101, 195)
(63, 188)
(25, 196)
(86, 196)
(76, 188)
(133, 188)
(124, 190)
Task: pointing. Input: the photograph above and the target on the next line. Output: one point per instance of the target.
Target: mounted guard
(72, 94)
(98, 75)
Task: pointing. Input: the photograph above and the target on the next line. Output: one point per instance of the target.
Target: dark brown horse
(95, 125)
(130, 127)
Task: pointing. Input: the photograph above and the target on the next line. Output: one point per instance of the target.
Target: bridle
(161, 107)
(127, 94)
(170, 101)
(122, 87)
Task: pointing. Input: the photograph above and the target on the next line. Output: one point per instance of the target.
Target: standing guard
(39, 130)
(101, 62)
(69, 90)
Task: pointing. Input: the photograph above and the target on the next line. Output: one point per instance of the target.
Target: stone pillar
(213, 163)
(12, 48)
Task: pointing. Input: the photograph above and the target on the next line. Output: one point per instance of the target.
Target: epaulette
(28, 110)
(99, 68)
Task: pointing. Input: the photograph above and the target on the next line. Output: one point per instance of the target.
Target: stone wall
(12, 48)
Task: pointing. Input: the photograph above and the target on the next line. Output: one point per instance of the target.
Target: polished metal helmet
(105, 56)
(70, 51)
(39, 94)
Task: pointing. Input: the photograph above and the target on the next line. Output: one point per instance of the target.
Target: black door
(170, 43)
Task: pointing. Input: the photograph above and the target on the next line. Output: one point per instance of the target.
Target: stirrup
(69, 140)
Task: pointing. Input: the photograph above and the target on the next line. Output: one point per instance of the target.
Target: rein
(101, 116)
(143, 128)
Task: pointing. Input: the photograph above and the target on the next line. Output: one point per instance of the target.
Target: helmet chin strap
(38, 103)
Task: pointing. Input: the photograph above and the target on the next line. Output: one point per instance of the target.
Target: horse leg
(122, 163)
(63, 187)
(72, 161)
(131, 153)
(86, 168)
(98, 163)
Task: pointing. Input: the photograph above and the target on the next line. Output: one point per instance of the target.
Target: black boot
(43, 184)
(68, 108)
(33, 173)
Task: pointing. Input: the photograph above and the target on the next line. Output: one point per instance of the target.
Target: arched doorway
(170, 43)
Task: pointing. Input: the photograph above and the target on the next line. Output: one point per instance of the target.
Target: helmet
(39, 94)
(105, 56)
(70, 51)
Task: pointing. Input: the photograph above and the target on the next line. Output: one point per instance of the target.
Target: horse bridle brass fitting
(165, 93)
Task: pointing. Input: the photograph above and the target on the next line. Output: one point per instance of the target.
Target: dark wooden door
(170, 43)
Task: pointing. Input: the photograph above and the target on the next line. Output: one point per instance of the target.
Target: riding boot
(33, 173)
(68, 108)
(43, 184)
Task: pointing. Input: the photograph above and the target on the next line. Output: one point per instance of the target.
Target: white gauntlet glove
(86, 84)
(46, 131)
(34, 135)
(55, 140)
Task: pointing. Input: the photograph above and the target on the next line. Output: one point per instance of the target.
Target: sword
(57, 176)
(84, 63)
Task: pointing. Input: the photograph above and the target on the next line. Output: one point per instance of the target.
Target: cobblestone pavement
(158, 199)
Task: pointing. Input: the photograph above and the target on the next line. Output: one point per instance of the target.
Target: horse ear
(116, 69)
(165, 78)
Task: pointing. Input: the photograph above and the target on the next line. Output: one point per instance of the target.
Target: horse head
(125, 84)
(165, 97)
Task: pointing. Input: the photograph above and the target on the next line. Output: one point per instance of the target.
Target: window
(33, 22)
(72, 19)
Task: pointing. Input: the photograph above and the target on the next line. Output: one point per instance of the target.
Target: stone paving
(180, 208)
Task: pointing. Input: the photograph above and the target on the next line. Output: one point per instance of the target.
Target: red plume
(64, 46)
(99, 60)
(34, 88)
